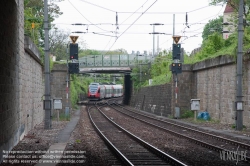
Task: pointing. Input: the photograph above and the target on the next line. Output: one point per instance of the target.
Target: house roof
(228, 9)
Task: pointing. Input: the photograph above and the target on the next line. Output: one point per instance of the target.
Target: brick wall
(21, 86)
(216, 87)
(212, 81)
(58, 84)
(31, 86)
(9, 73)
(153, 99)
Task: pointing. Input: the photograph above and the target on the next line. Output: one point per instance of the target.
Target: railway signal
(73, 51)
(176, 68)
(73, 68)
(176, 51)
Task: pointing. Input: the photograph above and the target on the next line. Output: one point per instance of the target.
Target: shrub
(187, 114)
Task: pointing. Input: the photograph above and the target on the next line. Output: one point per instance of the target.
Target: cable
(167, 12)
(107, 44)
(194, 24)
(198, 9)
(102, 34)
(154, 12)
(138, 17)
(132, 24)
(165, 24)
(85, 17)
(134, 12)
(98, 6)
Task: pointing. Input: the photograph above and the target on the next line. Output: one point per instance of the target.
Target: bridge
(111, 63)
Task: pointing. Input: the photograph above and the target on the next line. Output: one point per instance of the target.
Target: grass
(78, 141)
(233, 126)
(170, 116)
(187, 114)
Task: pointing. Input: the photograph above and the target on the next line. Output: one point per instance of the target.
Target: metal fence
(113, 60)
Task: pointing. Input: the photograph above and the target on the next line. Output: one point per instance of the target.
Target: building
(227, 18)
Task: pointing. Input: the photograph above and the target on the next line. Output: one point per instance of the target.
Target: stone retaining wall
(213, 81)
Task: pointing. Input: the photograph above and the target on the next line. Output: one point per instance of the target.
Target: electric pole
(47, 101)
(239, 102)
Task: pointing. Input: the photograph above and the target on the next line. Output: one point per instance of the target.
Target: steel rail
(109, 144)
(199, 142)
(153, 149)
(233, 142)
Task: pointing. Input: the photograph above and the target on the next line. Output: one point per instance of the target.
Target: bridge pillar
(127, 89)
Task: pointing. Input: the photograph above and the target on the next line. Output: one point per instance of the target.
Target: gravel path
(34, 144)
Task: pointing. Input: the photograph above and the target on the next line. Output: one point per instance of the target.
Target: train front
(94, 92)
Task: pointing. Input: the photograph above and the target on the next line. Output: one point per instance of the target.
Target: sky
(132, 32)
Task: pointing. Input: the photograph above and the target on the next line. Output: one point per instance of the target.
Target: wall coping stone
(60, 67)
(214, 62)
(187, 67)
(32, 49)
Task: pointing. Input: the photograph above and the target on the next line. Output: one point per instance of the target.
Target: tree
(214, 25)
(34, 13)
(119, 51)
(58, 44)
(235, 5)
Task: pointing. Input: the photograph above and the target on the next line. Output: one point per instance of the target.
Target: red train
(99, 91)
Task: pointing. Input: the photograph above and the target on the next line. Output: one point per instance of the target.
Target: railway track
(130, 149)
(200, 137)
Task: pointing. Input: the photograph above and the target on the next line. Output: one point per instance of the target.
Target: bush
(187, 114)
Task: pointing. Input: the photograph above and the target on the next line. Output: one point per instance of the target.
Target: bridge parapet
(112, 60)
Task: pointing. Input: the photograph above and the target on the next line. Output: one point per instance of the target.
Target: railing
(112, 60)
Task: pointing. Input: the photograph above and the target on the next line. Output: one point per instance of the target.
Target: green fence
(112, 60)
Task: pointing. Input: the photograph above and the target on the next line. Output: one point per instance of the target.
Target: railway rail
(130, 149)
(201, 137)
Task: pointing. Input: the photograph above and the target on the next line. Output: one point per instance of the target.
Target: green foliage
(75, 89)
(51, 63)
(33, 14)
(215, 46)
(214, 43)
(158, 70)
(78, 141)
(187, 114)
(78, 85)
(58, 44)
(73, 92)
(235, 5)
(211, 27)
(233, 126)
(161, 79)
(85, 52)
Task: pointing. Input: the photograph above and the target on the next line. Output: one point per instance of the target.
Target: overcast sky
(134, 28)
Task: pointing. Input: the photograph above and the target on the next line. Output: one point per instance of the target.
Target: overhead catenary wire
(122, 24)
(132, 24)
(85, 17)
(106, 31)
(196, 29)
(134, 12)
(98, 6)
(112, 24)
